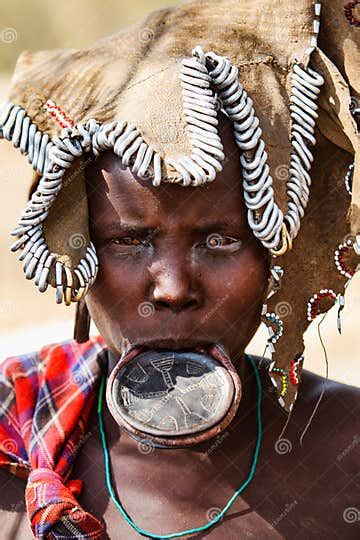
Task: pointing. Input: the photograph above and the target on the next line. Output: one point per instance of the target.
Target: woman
(183, 278)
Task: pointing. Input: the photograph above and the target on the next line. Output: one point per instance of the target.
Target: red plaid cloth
(45, 403)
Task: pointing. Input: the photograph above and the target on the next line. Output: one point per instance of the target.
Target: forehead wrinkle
(125, 201)
(124, 192)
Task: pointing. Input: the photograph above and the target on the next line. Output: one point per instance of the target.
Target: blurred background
(29, 319)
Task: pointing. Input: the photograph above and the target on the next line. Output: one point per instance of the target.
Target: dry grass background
(29, 319)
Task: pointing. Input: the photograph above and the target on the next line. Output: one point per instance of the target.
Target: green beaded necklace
(230, 501)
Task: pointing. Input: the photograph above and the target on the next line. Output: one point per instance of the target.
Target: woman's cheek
(121, 274)
(240, 291)
(242, 274)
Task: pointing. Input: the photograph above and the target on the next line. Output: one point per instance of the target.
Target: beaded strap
(286, 377)
(339, 253)
(274, 337)
(284, 380)
(295, 368)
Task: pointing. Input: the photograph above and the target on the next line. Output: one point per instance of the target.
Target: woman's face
(178, 266)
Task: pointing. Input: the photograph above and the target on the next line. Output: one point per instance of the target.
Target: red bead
(349, 14)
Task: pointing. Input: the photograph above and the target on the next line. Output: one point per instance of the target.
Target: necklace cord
(220, 515)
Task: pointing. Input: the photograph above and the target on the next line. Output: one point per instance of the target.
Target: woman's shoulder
(33, 389)
(313, 385)
(333, 403)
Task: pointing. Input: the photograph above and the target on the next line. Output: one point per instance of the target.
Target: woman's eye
(128, 241)
(219, 241)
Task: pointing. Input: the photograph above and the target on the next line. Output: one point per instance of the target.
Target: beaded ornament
(349, 10)
(342, 249)
(348, 178)
(313, 304)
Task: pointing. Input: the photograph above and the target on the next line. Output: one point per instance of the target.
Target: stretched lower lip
(170, 344)
(206, 348)
(137, 425)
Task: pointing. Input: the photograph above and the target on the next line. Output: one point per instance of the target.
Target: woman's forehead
(114, 191)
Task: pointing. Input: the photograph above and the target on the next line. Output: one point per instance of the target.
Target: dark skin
(155, 246)
(202, 293)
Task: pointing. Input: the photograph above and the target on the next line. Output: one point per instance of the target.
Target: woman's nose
(174, 287)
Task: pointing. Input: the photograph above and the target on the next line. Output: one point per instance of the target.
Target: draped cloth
(45, 402)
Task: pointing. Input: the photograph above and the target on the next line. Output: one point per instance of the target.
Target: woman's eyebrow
(116, 228)
(132, 228)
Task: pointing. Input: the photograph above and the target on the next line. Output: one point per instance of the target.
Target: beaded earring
(272, 319)
(276, 275)
(274, 336)
(348, 178)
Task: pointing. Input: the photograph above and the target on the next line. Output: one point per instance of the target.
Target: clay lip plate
(172, 393)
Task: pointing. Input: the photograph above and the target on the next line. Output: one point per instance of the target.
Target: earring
(284, 379)
(276, 274)
(273, 336)
(82, 322)
(274, 286)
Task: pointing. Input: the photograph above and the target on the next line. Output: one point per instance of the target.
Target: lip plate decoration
(174, 398)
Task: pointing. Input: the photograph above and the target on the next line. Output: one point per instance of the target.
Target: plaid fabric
(45, 403)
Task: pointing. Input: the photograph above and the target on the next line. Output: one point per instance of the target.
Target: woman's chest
(164, 492)
(293, 493)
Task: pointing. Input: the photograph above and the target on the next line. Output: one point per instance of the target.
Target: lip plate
(176, 392)
(216, 351)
